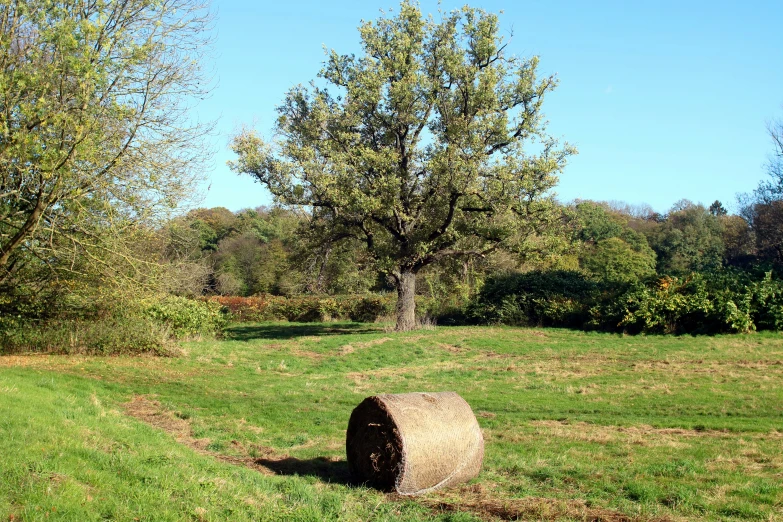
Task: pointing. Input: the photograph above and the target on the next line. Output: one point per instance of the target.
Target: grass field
(578, 426)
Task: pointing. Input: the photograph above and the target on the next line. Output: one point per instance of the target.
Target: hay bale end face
(413, 443)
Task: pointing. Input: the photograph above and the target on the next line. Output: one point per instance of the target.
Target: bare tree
(772, 190)
(763, 208)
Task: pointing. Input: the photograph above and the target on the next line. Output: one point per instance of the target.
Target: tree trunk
(24, 231)
(319, 283)
(406, 306)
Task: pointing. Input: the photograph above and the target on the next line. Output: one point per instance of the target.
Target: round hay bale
(414, 443)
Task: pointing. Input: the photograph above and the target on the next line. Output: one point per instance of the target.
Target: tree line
(266, 250)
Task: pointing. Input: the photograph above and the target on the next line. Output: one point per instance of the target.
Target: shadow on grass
(333, 471)
(289, 331)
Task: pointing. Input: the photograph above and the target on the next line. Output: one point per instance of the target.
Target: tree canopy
(611, 249)
(95, 136)
(430, 144)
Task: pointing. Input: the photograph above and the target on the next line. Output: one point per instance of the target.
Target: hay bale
(414, 443)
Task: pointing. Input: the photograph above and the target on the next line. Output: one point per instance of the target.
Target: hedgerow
(721, 301)
(314, 308)
(135, 326)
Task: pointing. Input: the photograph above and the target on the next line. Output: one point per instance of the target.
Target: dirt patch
(152, 413)
(476, 499)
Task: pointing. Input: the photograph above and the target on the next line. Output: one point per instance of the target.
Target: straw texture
(413, 443)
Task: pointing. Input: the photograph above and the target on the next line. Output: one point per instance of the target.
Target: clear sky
(664, 99)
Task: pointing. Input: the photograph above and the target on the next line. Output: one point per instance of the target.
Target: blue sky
(664, 99)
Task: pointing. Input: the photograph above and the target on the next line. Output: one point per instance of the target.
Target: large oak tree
(416, 147)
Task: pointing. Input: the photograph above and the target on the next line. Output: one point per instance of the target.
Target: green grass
(578, 426)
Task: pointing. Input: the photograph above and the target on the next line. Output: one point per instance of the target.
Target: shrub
(107, 336)
(246, 309)
(727, 300)
(138, 326)
(767, 303)
(554, 298)
(712, 302)
(188, 317)
(667, 307)
(370, 308)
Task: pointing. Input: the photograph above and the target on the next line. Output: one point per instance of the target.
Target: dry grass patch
(307, 354)
(749, 460)
(640, 435)
(151, 412)
(449, 348)
(360, 379)
(727, 368)
(50, 362)
(350, 348)
(374, 342)
(484, 503)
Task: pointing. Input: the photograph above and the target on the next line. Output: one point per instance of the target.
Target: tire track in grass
(270, 462)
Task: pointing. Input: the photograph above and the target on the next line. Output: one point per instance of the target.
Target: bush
(726, 300)
(188, 317)
(371, 308)
(767, 303)
(105, 328)
(714, 302)
(665, 308)
(107, 336)
(554, 298)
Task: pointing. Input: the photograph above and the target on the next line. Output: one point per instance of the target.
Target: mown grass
(578, 426)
